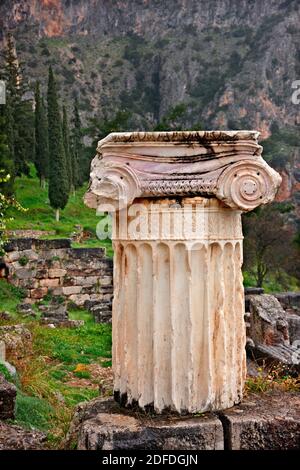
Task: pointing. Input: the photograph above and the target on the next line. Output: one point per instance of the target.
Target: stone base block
(8, 394)
(112, 429)
(261, 422)
(264, 422)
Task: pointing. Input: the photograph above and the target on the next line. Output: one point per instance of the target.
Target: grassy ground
(40, 215)
(63, 369)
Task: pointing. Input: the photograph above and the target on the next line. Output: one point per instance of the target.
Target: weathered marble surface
(178, 327)
(227, 165)
(177, 197)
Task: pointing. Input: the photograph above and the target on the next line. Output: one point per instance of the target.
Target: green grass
(33, 412)
(10, 297)
(72, 346)
(40, 215)
(46, 392)
(5, 372)
(272, 283)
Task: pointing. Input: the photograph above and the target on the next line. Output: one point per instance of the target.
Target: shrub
(23, 260)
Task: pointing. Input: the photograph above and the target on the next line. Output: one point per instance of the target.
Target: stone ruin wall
(42, 267)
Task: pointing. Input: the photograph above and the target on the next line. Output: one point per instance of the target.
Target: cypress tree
(6, 163)
(41, 160)
(58, 176)
(76, 148)
(21, 109)
(66, 140)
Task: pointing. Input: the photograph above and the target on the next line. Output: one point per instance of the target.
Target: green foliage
(23, 260)
(269, 251)
(80, 165)
(33, 412)
(278, 148)
(6, 149)
(5, 373)
(10, 296)
(6, 203)
(19, 110)
(39, 215)
(72, 346)
(99, 129)
(207, 86)
(41, 160)
(58, 175)
(134, 49)
(66, 141)
(82, 374)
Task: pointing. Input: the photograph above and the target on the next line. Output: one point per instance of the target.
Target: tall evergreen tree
(66, 140)
(21, 109)
(77, 151)
(6, 163)
(58, 175)
(41, 160)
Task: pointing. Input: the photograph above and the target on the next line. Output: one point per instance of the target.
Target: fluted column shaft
(178, 330)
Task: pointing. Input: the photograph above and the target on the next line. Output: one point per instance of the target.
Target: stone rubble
(272, 332)
(8, 393)
(17, 438)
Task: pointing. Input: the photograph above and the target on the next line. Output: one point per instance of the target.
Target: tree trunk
(43, 183)
(57, 215)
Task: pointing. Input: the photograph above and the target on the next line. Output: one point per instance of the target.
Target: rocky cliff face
(231, 63)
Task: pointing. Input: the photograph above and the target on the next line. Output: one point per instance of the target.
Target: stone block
(41, 273)
(52, 244)
(29, 283)
(38, 293)
(57, 273)
(289, 299)
(106, 281)
(88, 253)
(8, 393)
(2, 351)
(89, 289)
(57, 291)
(102, 312)
(86, 281)
(17, 339)
(25, 273)
(58, 312)
(110, 429)
(72, 290)
(62, 323)
(294, 326)
(79, 299)
(254, 290)
(12, 256)
(31, 255)
(49, 282)
(18, 244)
(269, 422)
(95, 298)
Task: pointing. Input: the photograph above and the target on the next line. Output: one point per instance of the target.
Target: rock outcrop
(271, 332)
(8, 393)
(17, 438)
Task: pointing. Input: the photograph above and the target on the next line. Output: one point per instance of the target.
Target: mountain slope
(231, 63)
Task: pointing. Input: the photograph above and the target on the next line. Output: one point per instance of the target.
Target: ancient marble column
(177, 199)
